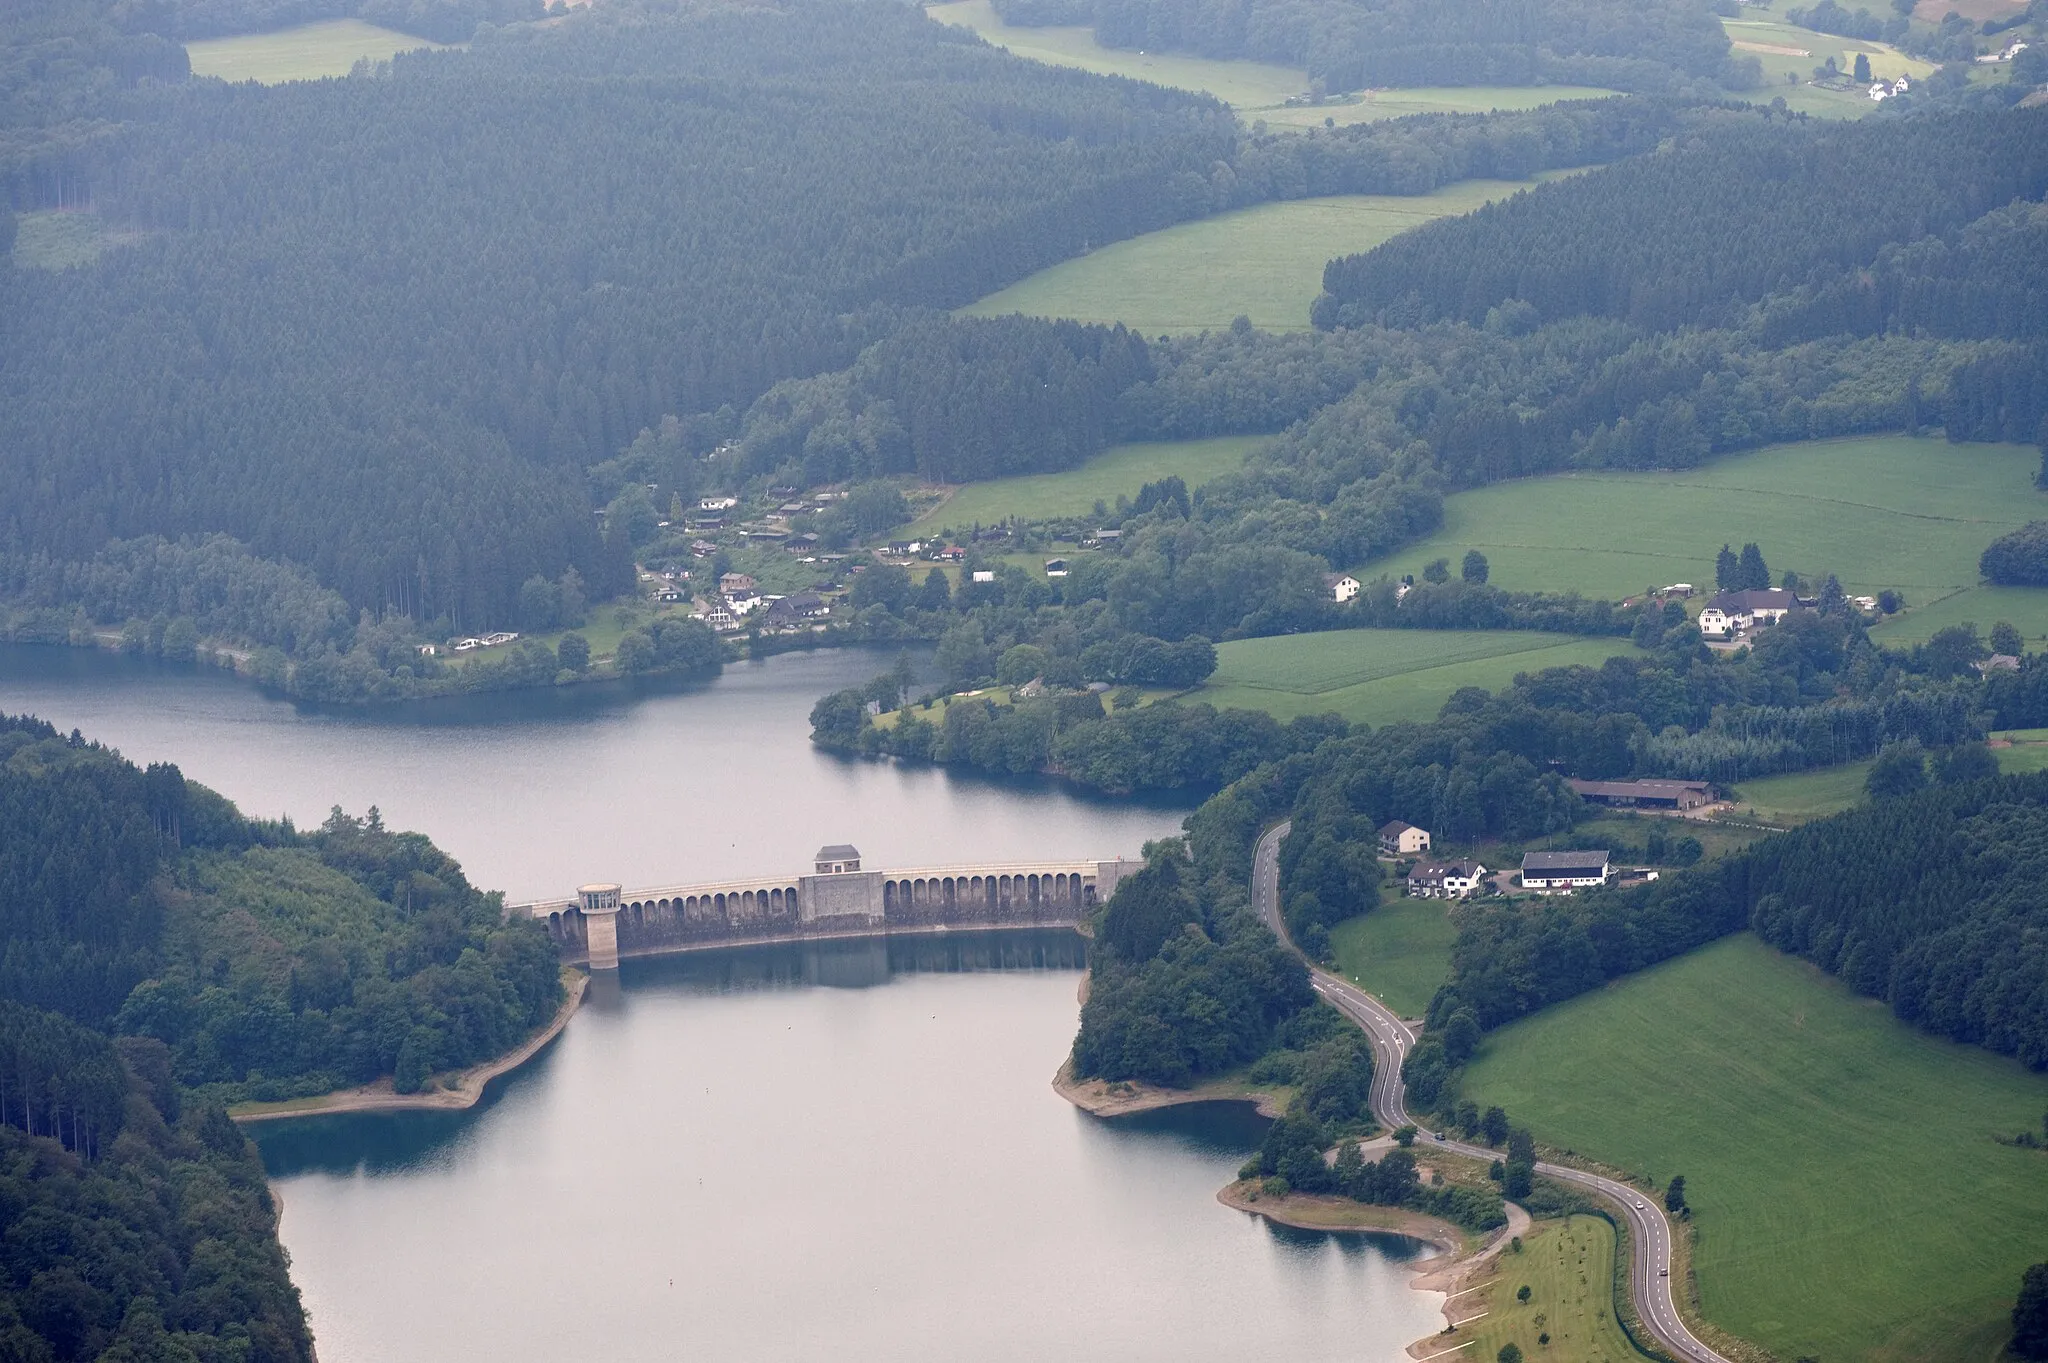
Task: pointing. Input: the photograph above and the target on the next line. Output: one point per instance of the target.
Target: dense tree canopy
(272, 963)
(136, 1225)
(1346, 44)
(1810, 200)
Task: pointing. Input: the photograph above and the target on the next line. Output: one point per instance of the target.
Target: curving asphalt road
(1650, 1233)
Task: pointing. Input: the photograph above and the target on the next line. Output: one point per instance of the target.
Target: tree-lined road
(1392, 1039)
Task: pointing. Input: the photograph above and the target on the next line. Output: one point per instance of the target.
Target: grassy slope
(306, 52)
(1568, 1267)
(1850, 1200)
(1120, 470)
(1399, 953)
(1878, 511)
(1257, 90)
(1802, 795)
(1381, 676)
(1264, 262)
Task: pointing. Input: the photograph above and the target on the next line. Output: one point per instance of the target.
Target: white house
(1563, 872)
(1343, 586)
(1446, 879)
(1730, 613)
(717, 503)
(1399, 839)
(984, 575)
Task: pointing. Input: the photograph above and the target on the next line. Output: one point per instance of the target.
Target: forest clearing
(1774, 1089)
(331, 47)
(1264, 262)
(1259, 91)
(1118, 471)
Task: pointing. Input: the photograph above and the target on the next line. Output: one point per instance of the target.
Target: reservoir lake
(826, 1151)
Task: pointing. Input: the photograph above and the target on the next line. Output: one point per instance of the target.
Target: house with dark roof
(1731, 613)
(1445, 879)
(1563, 872)
(839, 857)
(1399, 839)
(1678, 795)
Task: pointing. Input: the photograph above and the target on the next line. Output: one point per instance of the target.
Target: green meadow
(305, 52)
(1798, 796)
(1384, 676)
(1877, 511)
(1399, 953)
(1568, 1267)
(1121, 470)
(1259, 91)
(1850, 1198)
(1789, 54)
(1264, 262)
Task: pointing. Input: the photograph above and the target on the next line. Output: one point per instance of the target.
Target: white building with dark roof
(1446, 879)
(1563, 872)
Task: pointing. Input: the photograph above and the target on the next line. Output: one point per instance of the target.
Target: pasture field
(1259, 91)
(1399, 953)
(1264, 262)
(2025, 607)
(1384, 676)
(1878, 511)
(1120, 470)
(1789, 54)
(1798, 796)
(305, 52)
(1848, 1192)
(1568, 1267)
(57, 239)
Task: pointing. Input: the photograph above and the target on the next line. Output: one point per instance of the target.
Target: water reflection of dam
(836, 898)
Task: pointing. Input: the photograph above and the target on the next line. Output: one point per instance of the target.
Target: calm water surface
(539, 792)
(841, 1151)
(845, 1152)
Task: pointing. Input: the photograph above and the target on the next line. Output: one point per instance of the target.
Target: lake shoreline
(466, 1091)
(1101, 1098)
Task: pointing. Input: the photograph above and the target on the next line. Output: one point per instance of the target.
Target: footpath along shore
(451, 1094)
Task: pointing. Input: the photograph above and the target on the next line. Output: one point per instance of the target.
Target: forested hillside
(394, 361)
(1346, 44)
(138, 1225)
(272, 963)
(1791, 204)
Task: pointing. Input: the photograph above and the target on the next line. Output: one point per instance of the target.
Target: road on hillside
(1649, 1233)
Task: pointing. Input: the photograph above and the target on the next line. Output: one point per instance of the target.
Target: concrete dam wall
(837, 898)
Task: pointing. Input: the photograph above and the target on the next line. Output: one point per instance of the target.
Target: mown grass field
(1399, 953)
(1264, 262)
(1259, 91)
(1849, 1195)
(1877, 511)
(1802, 795)
(1383, 676)
(1121, 470)
(1568, 1267)
(305, 52)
